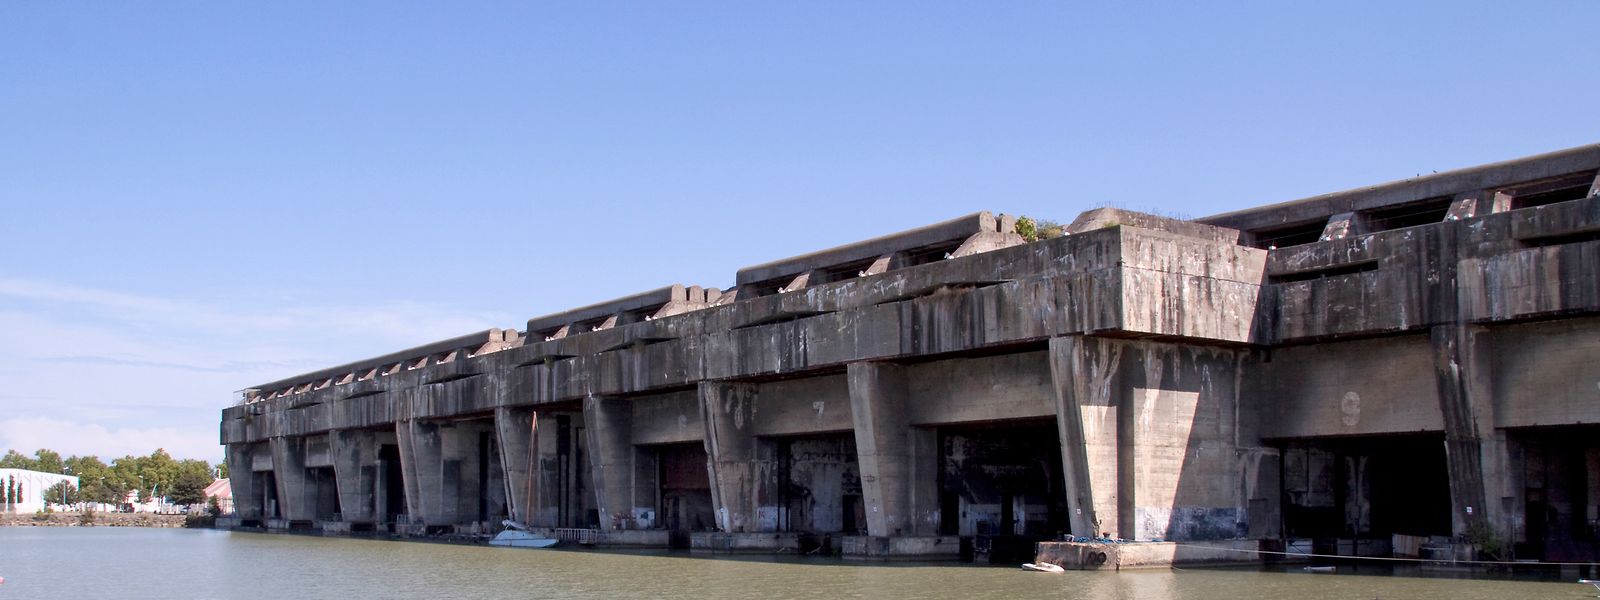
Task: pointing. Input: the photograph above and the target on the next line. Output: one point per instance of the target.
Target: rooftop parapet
(654, 304)
(1100, 218)
(1536, 180)
(443, 351)
(963, 236)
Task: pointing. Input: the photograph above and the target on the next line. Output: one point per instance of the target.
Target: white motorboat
(521, 539)
(516, 535)
(1043, 567)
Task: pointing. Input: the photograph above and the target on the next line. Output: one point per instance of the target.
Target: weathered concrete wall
(1362, 387)
(1546, 373)
(803, 406)
(667, 419)
(966, 390)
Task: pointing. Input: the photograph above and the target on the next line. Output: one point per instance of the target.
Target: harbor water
(128, 563)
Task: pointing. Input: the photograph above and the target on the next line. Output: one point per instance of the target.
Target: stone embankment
(100, 519)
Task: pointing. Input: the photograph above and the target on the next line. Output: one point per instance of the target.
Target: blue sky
(198, 197)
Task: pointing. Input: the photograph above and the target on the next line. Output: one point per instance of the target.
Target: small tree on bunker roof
(1033, 230)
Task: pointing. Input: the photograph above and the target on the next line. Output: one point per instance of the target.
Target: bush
(86, 518)
(1033, 230)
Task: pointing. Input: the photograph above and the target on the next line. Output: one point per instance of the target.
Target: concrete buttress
(355, 466)
(733, 454)
(899, 463)
(610, 435)
(422, 464)
(1475, 451)
(515, 432)
(1088, 397)
(294, 489)
(247, 499)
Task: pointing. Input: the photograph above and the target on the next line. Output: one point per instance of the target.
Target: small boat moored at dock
(517, 536)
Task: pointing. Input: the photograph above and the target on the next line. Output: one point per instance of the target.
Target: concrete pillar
(1088, 387)
(1476, 456)
(421, 462)
(899, 463)
(515, 431)
(734, 456)
(441, 463)
(554, 472)
(609, 422)
(296, 499)
(247, 502)
(355, 469)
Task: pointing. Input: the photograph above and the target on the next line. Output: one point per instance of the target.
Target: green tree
(222, 469)
(190, 485)
(160, 472)
(127, 473)
(48, 461)
(60, 493)
(93, 476)
(16, 460)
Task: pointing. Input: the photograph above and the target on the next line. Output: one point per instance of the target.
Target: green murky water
(124, 563)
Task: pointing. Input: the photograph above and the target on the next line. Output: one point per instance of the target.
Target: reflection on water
(127, 563)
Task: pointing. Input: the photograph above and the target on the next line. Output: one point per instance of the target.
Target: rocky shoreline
(100, 519)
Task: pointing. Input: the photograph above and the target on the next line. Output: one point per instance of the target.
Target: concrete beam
(954, 230)
(471, 343)
(1450, 183)
(663, 301)
(1463, 206)
(1345, 224)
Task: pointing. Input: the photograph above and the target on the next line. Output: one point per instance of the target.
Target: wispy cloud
(90, 356)
(225, 367)
(71, 437)
(55, 292)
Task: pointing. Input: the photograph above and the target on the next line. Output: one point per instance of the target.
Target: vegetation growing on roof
(1033, 230)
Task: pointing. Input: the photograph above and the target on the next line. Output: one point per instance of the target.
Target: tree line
(156, 475)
